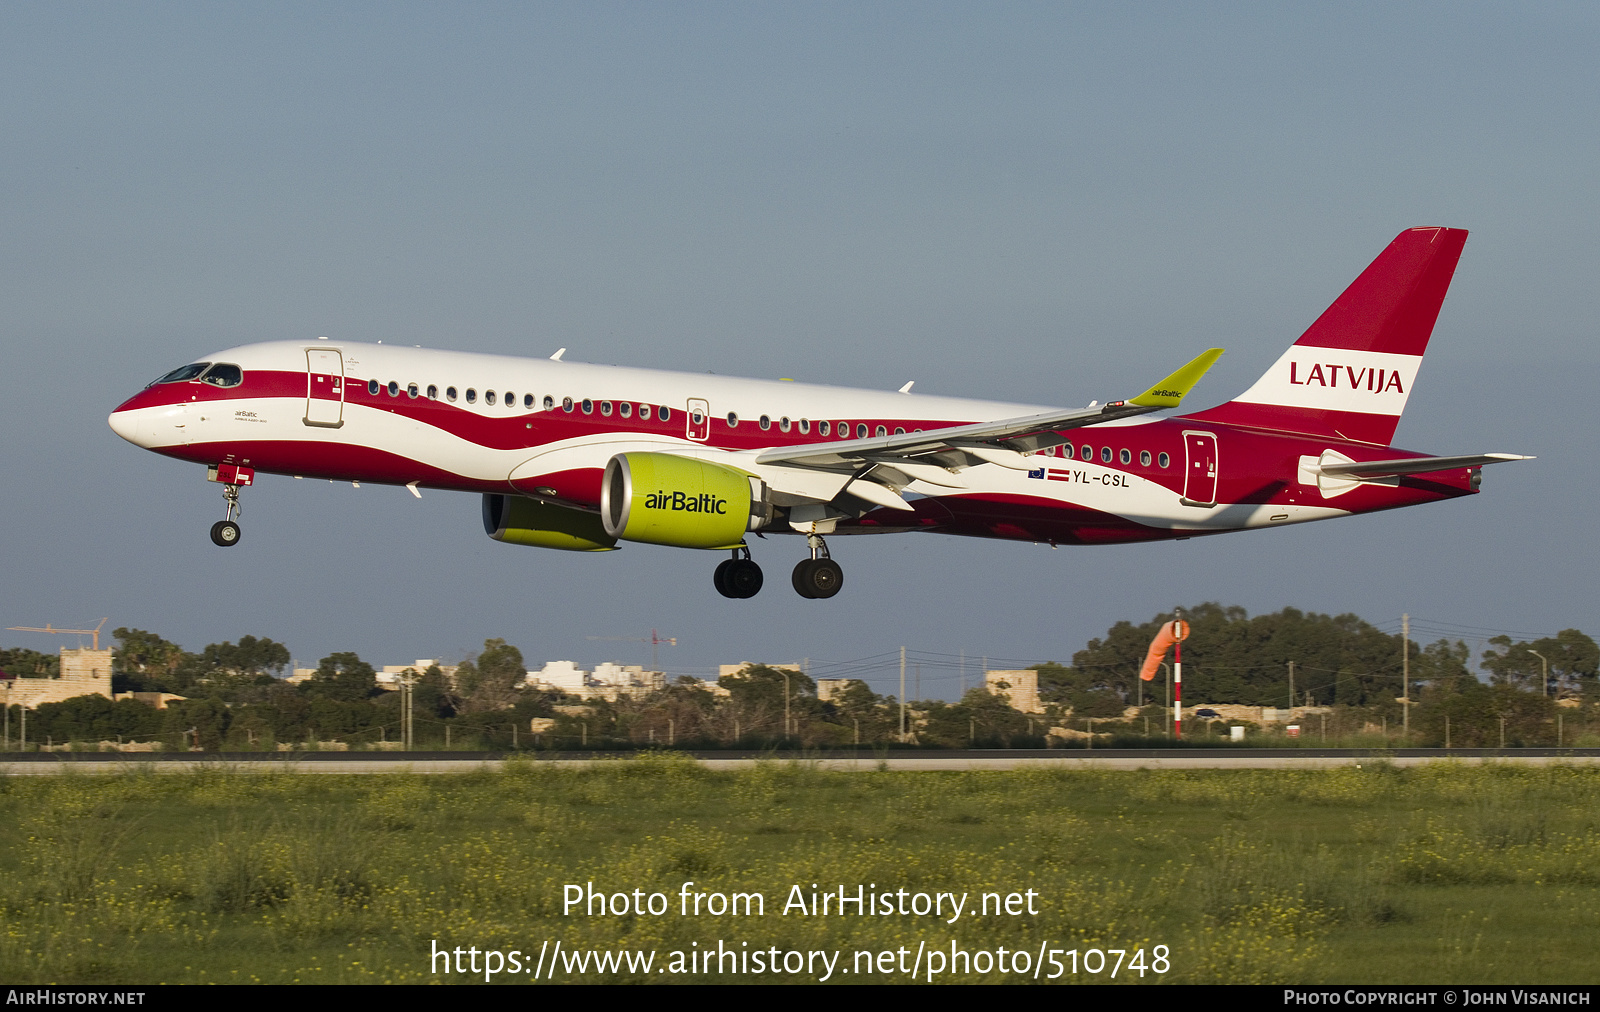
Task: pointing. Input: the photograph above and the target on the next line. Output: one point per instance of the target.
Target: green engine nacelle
(518, 520)
(662, 499)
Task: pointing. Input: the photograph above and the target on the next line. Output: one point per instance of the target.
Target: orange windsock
(1171, 632)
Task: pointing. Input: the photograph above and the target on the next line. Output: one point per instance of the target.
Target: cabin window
(433, 392)
(625, 409)
(783, 424)
(223, 375)
(764, 422)
(822, 427)
(566, 405)
(880, 431)
(394, 389)
(472, 396)
(450, 393)
(1125, 456)
(861, 430)
(488, 397)
(805, 425)
(666, 413)
(527, 401)
(1105, 454)
(511, 399)
(605, 408)
(644, 412)
(899, 430)
(549, 402)
(733, 420)
(412, 390)
(1164, 460)
(587, 405)
(1144, 458)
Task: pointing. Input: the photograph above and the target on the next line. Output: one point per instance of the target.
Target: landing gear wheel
(720, 578)
(225, 533)
(818, 578)
(802, 577)
(743, 578)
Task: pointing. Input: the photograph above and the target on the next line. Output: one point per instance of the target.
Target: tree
(250, 657)
(759, 696)
(982, 719)
(20, 662)
(149, 662)
(490, 682)
(342, 676)
(1233, 658)
(1572, 657)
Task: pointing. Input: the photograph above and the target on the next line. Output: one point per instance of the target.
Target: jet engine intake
(684, 502)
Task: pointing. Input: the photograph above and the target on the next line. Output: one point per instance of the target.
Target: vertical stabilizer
(1349, 375)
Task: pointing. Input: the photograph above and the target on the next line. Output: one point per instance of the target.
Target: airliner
(581, 457)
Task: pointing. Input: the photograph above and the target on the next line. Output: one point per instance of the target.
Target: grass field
(1444, 873)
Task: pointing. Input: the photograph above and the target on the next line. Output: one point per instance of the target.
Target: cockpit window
(184, 374)
(223, 375)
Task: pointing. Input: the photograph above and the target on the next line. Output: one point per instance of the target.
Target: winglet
(1170, 392)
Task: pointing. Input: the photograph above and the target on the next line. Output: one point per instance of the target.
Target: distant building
(1020, 686)
(827, 688)
(83, 673)
(607, 681)
(724, 670)
(389, 678)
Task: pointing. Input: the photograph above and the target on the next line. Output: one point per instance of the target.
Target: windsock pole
(1177, 687)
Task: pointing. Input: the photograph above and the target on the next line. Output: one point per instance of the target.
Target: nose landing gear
(819, 576)
(225, 533)
(738, 577)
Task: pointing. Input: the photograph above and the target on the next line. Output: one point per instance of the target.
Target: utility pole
(902, 694)
(1405, 676)
(1291, 688)
(785, 701)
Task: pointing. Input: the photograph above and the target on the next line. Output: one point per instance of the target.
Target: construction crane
(48, 628)
(655, 640)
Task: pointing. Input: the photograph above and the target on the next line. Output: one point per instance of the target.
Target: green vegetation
(1345, 674)
(1444, 873)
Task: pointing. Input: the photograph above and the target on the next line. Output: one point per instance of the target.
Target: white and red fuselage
(546, 429)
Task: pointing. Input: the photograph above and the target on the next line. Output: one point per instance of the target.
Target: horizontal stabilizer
(1412, 465)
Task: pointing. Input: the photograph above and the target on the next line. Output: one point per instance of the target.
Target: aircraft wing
(1001, 442)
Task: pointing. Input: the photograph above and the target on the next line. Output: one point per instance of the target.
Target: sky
(1045, 203)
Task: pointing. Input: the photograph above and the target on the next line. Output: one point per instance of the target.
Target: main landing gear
(739, 576)
(818, 576)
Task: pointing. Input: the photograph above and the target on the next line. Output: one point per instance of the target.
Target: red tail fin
(1349, 375)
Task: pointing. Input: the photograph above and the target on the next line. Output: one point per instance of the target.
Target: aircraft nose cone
(126, 425)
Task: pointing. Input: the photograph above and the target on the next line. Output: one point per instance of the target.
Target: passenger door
(324, 387)
(1200, 468)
